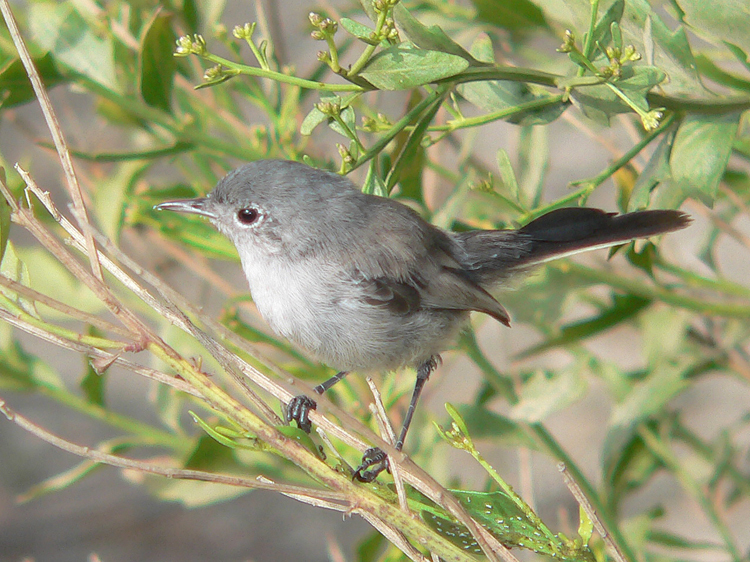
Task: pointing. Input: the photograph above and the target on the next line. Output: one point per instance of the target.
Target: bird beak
(197, 206)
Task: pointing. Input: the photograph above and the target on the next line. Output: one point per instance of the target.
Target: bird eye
(248, 215)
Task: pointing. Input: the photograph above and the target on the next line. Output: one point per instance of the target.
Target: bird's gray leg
(374, 460)
(299, 407)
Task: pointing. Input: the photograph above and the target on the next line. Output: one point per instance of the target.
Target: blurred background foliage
(451, 107)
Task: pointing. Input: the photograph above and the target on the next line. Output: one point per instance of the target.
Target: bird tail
(496, 254)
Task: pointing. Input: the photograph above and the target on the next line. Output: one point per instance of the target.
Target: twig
(181, 473)
(584, 502)
(395, 536)
(386, 430)
(308, 499)
(40, 91)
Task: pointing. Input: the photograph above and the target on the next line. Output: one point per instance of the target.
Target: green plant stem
(696, 280)
(370, 49)
(512, 73)
(149, 434)
(667, 295)
(431, 98)
(589, 185)
(177, 148)
(702, 106)
(280, 77)
(662, 451)
(501, 114)
(588, 46)
(59, 331)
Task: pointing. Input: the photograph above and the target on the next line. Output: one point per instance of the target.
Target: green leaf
(671, 49)
(643, 28)
(404, 66)
(207, 455)
(657, 171)
(374, 184)
(47, 275)
(15, 87)
(92, 383)
(604, 27)
(60, 481)
(431, 38)
(13, 267)
(627, 463)
(157, 63)
(548, 392)
(600, 103)
(649, 397)
(60, 29)
(700, 154)
(360, 31)
(408, 166)
(709, 69)
(507, 175)
(720, 22)
(514, 15)
(497, 95)
(499, 514)
(4, 219)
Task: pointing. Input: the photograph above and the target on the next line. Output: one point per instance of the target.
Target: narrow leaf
(157, 64)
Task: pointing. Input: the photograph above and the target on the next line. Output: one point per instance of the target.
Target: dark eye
(248, 215)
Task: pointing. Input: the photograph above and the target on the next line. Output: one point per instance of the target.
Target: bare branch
(584, 502)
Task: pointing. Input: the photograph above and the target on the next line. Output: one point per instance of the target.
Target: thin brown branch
(395, 536)
(181, 473)
(74, 189)
(386, 430)
(584, 502)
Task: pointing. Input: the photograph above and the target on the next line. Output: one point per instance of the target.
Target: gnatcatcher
(365, 284)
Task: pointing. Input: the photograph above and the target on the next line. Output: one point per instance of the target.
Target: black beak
(197, 206)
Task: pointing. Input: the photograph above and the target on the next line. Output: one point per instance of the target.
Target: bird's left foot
(298, 410)
(374, 461)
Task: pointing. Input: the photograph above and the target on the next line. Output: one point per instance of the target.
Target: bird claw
(298, 410)
(373, 459)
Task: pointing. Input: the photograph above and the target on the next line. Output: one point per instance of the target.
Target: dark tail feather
(573, 229)
(493, 255)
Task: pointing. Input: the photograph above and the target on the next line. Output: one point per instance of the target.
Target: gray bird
(365, 284)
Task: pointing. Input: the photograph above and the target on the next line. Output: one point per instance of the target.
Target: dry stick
(97, 354)
(584, 502)
(181, 473)
(394, 536)
(40, 91)
(386, 430)
(315, 502)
